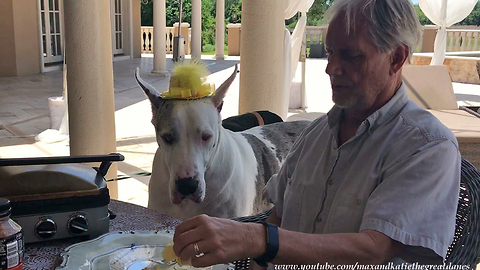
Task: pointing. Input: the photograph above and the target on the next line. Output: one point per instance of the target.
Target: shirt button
(319, 219)
(330, 182)
(359, 201)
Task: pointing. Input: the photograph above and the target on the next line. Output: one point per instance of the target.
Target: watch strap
(271, 232)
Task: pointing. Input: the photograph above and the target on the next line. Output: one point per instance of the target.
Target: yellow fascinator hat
(189, 81)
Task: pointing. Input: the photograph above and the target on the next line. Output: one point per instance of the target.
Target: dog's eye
(206, 137)
(167, 138)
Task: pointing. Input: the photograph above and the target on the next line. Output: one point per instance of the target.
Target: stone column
(91, 105)
(196, 42)
(220, 30)
(261, 62)
(159, 34)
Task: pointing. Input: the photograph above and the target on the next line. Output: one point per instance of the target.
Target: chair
(431, 88)
(465, 247)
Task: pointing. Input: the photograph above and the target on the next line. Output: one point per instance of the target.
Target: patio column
(261, 61)
(196, 42)
(91, 106)
(159, 34)
(220, 30)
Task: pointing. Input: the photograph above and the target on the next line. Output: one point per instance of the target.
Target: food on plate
(150, 268)
(169, 255)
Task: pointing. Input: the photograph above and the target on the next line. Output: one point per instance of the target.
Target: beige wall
(461, 69)
(137, 29)
(27, 37)
(19, 38)
(8, 65)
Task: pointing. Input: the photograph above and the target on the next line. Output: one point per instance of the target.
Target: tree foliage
(472, 19)
(314, 15)
(421, 16)
(208, 15)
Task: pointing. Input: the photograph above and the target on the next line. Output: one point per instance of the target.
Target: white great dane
(202, 168)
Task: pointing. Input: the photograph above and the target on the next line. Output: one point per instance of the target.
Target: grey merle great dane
(201, 167)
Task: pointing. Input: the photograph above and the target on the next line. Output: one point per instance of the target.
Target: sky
(415, 1)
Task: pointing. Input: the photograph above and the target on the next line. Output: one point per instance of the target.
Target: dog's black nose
(186, 186)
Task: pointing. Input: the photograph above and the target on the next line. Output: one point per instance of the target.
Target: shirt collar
(376, 119)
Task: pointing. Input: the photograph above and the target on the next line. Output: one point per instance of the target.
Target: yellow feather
(190, 75)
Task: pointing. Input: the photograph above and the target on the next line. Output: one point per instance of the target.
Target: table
(130, 217)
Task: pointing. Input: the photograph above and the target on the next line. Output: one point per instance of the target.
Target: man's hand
(219, 240)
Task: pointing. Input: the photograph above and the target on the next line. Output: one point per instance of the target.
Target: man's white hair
(389, 22)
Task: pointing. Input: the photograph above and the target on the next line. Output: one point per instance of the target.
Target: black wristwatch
(271, 232)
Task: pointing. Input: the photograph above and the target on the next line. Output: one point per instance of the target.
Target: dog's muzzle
(186, 186)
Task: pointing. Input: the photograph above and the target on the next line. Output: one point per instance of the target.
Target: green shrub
(208, 48)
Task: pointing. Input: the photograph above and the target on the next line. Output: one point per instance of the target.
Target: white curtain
(293, 42)
(445, 13)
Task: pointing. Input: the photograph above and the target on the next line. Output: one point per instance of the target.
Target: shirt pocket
(292, 206)
(347, 214)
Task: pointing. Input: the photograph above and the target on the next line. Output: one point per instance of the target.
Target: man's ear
(398, 58)
(222, 90)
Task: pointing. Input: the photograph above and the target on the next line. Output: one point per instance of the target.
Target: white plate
(123, 251)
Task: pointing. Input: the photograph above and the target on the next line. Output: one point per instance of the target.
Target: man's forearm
(369, 247)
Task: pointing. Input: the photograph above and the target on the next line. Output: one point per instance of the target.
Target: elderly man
(376, 180)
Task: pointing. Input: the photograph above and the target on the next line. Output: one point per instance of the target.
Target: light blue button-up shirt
(399, 175)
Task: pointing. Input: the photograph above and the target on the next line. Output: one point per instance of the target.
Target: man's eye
(353, 57)
(167, 138)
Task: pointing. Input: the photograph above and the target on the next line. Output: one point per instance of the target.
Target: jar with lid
(11, 239)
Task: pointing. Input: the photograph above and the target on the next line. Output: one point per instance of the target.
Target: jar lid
(5, 208)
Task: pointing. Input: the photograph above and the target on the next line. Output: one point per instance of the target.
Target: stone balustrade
(170, 33)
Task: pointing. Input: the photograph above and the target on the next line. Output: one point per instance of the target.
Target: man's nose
(186, 186)
(334, 66)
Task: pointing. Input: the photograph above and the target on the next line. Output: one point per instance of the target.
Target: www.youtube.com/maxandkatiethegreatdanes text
(357, 266)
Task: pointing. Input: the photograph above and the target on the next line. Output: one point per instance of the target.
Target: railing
(314, 39)
(314, 34)
(147, 40)
(459, 40)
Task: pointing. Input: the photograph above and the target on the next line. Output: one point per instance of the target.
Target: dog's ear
(149, 90)
(222, 90)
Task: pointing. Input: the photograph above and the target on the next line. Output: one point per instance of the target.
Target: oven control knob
(77, 224)
(45, 228)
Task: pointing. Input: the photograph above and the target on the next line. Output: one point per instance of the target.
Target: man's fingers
(185, 239)
(188, 224)
(203, 247)
(208, 259)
